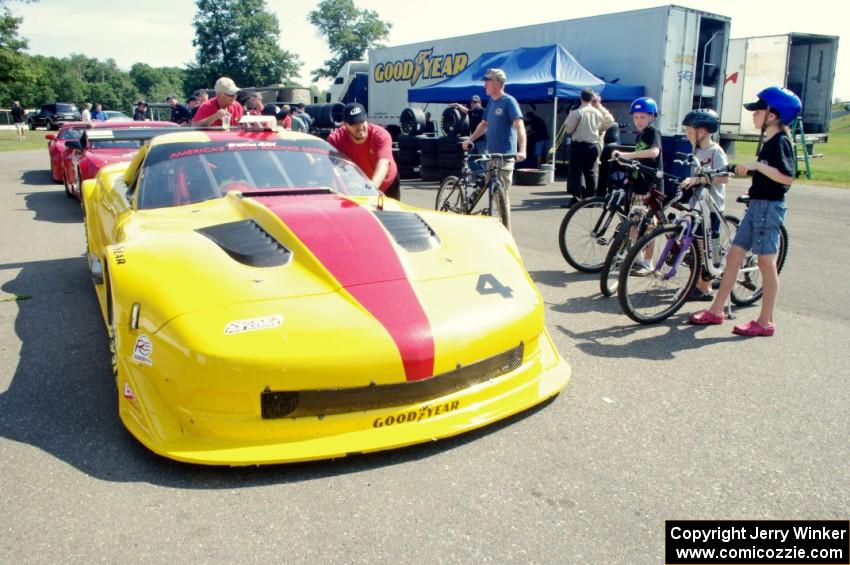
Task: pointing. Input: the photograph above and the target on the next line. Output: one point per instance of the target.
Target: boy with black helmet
(699, 127)
(773, 174)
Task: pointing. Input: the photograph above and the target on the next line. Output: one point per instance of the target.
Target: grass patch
(833, 169)
(34, 140)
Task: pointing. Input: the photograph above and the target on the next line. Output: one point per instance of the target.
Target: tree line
(235, 38)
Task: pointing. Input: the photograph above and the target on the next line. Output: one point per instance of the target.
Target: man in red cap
(370, 147)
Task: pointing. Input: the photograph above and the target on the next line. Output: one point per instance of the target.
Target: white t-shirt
(715, 158)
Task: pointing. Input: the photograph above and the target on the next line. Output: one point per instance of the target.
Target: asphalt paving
(658, 422)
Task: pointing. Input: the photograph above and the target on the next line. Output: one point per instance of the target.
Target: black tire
(453, 122)
(530, 177)
(430, 174)
(583, 251)
(408, 142)
(429, 160)
(48, 125)
(649, 296)
(412, 121)
(31, 125)
(315, 110)
(454, 172)
(499, 207)
(77, 188)
(451, 161)
(609, 279)
(749, 287)
(409, 158)
(450, 196)
(451, 145)
(334, 114)
(428, 144)
(784, 242)
(408, 172)
(68, 192)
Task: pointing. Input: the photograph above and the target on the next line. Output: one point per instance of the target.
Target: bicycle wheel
(623, 241)
(451, 197)
(499, 207)
(579, 246)
(649, 295)
(782, 253)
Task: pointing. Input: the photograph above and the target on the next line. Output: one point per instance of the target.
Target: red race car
(93, 151)
(70, 131)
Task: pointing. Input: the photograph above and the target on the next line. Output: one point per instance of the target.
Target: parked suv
(51, 116)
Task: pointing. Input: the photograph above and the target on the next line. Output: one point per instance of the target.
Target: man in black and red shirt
(370, 147)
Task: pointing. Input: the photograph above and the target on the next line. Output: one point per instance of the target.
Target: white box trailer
(804, 63)
(677, 54)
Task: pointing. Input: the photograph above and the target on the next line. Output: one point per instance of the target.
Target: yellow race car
(265, 304)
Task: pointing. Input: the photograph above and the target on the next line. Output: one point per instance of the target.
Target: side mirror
(74, 144)
(50, 136)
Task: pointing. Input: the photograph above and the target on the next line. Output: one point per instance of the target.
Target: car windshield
(66, 108)
(71, 133)
(183, 173)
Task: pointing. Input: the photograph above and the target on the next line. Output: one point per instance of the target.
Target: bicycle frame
(614, 204)
(700, 215)
(494, 164)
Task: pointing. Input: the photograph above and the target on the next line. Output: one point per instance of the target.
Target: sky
(160, 32)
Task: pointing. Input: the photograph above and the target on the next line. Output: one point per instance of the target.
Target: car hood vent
(409, 230)
(248, 243)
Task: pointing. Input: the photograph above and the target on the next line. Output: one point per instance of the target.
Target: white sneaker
(641, 267)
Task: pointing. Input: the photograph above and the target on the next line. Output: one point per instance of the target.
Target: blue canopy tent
(535, 74)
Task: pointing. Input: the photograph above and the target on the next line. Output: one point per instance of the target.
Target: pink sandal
(706, 318)
(754, 329)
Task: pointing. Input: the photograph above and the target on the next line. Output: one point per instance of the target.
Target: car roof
(75, 125)
(131, 124)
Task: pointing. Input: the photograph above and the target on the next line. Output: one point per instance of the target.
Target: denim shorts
(759, 230)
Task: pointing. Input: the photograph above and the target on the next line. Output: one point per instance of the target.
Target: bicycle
(462, 194)
(645, 211)
(661, 268)
(588, 228)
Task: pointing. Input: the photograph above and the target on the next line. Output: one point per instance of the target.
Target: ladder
(803, 145)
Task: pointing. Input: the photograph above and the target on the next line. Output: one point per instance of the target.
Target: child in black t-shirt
(648, 152)
(647, 146)
(773, 174)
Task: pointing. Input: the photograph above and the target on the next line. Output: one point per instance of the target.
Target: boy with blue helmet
(647, 151)
(773, 174)
(699, 126)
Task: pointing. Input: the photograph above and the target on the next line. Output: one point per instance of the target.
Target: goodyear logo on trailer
(424, 66)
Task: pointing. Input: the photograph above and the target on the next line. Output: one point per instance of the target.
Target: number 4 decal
(489, 284)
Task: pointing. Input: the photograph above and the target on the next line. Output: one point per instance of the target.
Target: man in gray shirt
(585, 126)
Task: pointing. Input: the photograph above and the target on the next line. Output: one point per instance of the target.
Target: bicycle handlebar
(690, 159)
(633, 164)
(493, 155)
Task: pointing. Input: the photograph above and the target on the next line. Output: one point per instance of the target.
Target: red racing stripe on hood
(352, 245)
